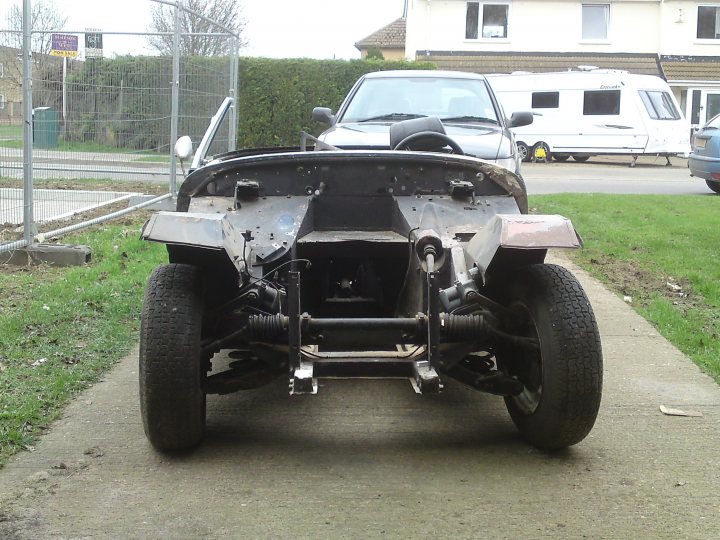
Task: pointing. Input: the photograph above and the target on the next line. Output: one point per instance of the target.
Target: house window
(2, 70)
(487, 21)
(708, 25)
(598, 102)
(659, 105)
(545, 100)
(2, 101)
(595, 18)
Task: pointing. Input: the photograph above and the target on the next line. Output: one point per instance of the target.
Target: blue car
(704, 159)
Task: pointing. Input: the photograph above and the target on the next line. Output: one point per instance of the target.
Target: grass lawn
(663, 252)
(61, 328)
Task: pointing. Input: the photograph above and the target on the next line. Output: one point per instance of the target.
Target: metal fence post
(175, 106)
(234, 73)
(28, 219)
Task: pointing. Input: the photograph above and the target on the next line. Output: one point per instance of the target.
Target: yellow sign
(66, 54)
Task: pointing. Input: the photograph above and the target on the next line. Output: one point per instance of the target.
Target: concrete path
(366, 459)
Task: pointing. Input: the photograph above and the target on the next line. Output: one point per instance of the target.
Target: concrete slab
(52, 254)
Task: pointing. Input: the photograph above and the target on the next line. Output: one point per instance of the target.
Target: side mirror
(323, 115)
(519, 119)
(183, 147)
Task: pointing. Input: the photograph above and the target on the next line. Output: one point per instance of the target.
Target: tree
(47, 70)
(224, 12)
(374, 53)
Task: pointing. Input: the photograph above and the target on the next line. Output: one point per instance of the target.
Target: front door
(702, 105)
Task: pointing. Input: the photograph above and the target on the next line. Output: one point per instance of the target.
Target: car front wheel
(172, 399)
(562, 378)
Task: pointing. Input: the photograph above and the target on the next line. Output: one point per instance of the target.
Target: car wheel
(561, 157)
(582, 158)
(562, 378)
(715, 186)
(172, 399)
(524, 152)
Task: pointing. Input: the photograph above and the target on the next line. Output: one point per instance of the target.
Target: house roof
(691, 68)
(391, 36)
(507, 62)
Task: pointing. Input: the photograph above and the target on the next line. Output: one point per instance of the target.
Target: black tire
(172, 400)
(522, 201)
(715, 186)
(545, 146)
(563, 379)
(524, 152)
(581, 158)
(561, 157)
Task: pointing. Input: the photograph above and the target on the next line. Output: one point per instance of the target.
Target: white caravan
(584, 113)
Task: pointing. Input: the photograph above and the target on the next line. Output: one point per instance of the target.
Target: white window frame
(3, 101)
(608, 8)
(717, 24)
(481, 8)
(2, 70)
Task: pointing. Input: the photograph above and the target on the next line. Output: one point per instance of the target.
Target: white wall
(535, 26)
(679, 32)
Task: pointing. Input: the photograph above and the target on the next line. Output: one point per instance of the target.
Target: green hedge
(276, 97)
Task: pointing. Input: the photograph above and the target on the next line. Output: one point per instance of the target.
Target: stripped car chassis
(372, 264)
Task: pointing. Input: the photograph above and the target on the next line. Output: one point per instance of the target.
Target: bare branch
(225, 12)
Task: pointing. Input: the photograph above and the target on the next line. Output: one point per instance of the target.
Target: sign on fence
(93, 43)
(64, 45)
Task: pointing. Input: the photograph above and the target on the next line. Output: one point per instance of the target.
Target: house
(389, 40)
(678, 40)
(10, 86)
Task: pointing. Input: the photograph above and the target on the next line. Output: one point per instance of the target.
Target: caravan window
(597, 102)
(545, 100)
(659, 105)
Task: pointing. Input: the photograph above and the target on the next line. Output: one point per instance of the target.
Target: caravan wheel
(523, 152)
(582, 158)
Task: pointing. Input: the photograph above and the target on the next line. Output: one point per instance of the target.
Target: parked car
(313, 265)
(464, 102)
(705, 156)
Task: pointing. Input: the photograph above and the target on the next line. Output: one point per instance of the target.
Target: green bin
(45, 127)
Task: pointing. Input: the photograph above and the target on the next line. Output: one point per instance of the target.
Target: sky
(274, 28)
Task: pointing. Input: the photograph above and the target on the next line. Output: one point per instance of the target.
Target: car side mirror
(519, 119)
(323, 115)
(183, 147)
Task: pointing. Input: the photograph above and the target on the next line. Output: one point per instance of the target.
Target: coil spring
(462, 327)
(267, 327)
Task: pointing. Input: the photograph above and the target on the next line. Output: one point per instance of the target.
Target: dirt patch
(641, 286)
(147, 188)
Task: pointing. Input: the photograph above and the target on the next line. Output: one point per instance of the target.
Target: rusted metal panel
(521, 232)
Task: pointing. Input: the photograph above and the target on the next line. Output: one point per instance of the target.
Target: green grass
(637, 244)
(11, 132)
(61, 328)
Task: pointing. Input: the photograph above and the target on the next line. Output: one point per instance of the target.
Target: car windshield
(395, 98)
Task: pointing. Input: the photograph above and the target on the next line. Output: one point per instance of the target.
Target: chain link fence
(103, 130)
